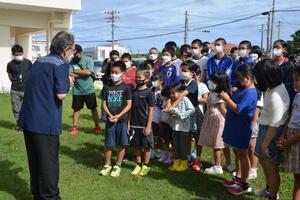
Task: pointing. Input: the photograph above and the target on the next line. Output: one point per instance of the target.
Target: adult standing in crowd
(81, 68)
(41, 115)
(18, 71)
(153, 56)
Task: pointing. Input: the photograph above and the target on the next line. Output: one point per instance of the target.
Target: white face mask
(254, 56)
(243, 53)
(115, 77)
(152, 56)
(212, 86)
(19, 58)
(277, 52)
(186, 75)
(166, 59)
(128, 64)
(70, 57)
(219, 49)
(155, 84)
(196, 52)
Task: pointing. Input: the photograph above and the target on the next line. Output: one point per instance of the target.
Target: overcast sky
(143, 18)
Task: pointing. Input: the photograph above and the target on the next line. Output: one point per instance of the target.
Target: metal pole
(268, 34)
(262, 37)
(185, 39)
(279, 24)
(272, 26)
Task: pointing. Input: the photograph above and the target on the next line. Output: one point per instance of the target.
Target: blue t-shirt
(224, 64)
(236, 65)
(238, 127)
(169, 74)
(192, 88)
(41, 110)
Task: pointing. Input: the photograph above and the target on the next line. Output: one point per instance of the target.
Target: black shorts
(79, 100)
(139, 140)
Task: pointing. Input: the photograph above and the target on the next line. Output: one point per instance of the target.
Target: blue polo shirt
(214, 64)
(41, 110)
(236, 65)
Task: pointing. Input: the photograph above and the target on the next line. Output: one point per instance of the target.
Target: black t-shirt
(141, 101)
(192, 88)
(19, 72)
(287, 78)
(116, 97)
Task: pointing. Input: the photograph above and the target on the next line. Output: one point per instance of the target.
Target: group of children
(222, 102)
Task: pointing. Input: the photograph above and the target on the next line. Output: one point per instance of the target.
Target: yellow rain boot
(183, 166)
(176, 164)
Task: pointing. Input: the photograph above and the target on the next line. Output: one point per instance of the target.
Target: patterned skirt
(292, 154)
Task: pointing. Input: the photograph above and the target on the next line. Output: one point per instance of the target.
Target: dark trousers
(42, 153)
(180, 144)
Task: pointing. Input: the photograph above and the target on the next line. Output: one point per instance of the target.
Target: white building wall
(5, 56)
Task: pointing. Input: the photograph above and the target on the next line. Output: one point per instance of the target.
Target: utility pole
(268, 33)
(111, 18)
(279, 24)
(186, 28)
(262, 37)
(272, 25)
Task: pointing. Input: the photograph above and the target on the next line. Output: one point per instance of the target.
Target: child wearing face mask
(256, 53)
(141, 123)
(220, 61)
(199, 58)
(286, 66)
(238, 126)
(214, 119)
(130, 73)
(116, 102)
(180, 123)
(148, 65)
(169, 70)
(234, 53)
(244, 58)
(185, 52)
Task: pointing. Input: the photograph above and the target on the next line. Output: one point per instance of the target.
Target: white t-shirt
(202, 89)
(276, 107)
(202, 63)
(177, 63)
(260, 102)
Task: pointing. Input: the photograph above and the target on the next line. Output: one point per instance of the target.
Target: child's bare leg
(107, 155)
(272, 176)
(217, 157)
(253, 159)
(296, 190)
(227, 155)
(237, 165)
(147, 156)
(242, 156)
(138, 155)
(120, 155)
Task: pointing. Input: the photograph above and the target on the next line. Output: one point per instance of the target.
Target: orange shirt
(129, 77)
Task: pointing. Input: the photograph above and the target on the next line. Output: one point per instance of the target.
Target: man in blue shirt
(219, 62)
(41, 115)
(244, 58)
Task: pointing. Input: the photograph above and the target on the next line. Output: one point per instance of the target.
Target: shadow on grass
(199, 184)
(90, 155)
(8, 125)
(11, 182)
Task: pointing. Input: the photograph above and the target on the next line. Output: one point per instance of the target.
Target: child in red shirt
(130, 73)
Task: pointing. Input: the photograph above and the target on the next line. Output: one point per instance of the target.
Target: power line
(111, 18)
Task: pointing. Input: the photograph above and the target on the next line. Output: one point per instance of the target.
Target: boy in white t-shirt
(199, 58)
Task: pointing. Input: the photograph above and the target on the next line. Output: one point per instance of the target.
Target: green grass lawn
(80, 161)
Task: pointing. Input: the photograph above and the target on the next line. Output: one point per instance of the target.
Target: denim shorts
(275, 154)
(116, 134)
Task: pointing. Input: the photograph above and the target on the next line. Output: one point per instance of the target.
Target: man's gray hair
(60, 41)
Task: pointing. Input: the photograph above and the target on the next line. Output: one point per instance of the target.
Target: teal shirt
(83, 85)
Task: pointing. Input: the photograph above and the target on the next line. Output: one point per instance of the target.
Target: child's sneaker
(105, 170)
(170, 158)
(74, 131)
(264, 193)
(98, 130)
(240, 188)
(214, 170)
(144, 171)
(163, 156)
(136, 170)
(115, 171)
(196, 165)
(231, 183)
(252, 174)
(194, 155)
(229, 168)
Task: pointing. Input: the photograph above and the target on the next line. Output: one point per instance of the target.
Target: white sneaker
(234, 174)
(214, 170)
(252, 174)
(229, 168)
(163, 156)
